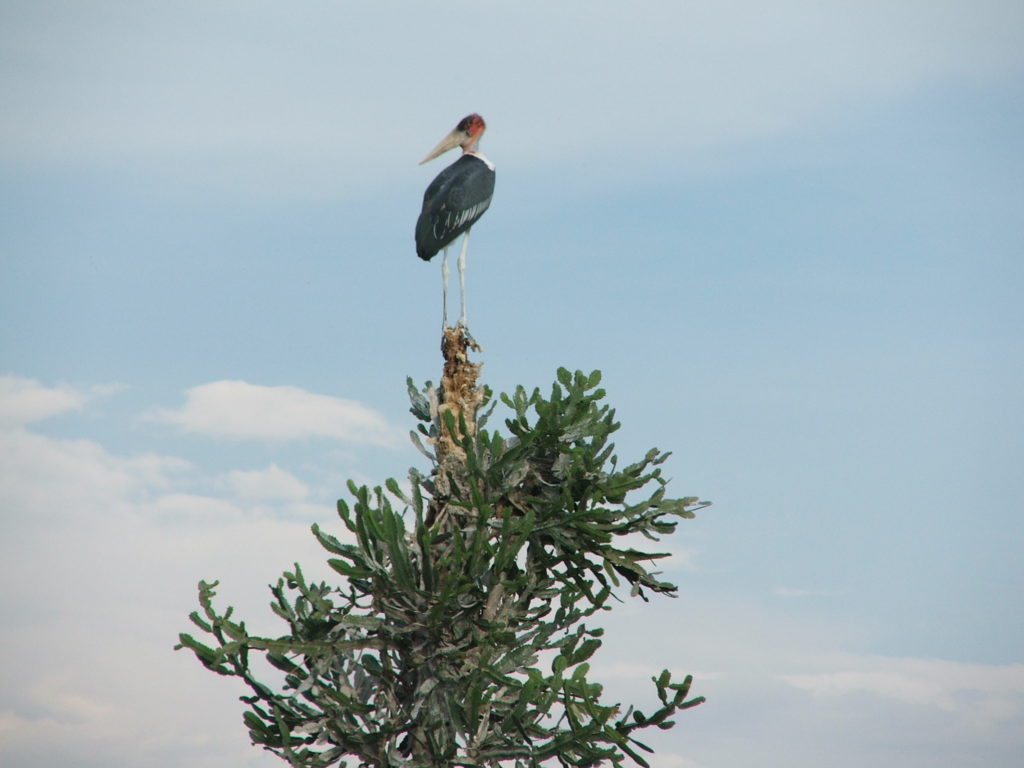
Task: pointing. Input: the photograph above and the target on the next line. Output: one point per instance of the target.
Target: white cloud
(57, 478)
(272, 483)
(783, 684)
(241, 410)
(980, 694)
(23, 401)
(106, 552)
(894, 685)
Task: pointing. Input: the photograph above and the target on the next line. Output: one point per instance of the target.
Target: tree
(460, 634)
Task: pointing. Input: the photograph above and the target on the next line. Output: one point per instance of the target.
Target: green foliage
(434, 651)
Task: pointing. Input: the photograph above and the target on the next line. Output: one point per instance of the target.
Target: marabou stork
(454, 201)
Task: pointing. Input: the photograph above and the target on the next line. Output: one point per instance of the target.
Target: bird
(456, 198)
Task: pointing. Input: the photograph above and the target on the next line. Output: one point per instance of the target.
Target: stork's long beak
(451, 141)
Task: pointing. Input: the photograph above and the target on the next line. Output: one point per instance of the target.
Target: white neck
(480, 156)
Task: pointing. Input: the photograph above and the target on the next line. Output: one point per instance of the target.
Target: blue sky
(789, 234)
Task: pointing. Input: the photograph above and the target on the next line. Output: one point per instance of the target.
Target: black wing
(452, 203)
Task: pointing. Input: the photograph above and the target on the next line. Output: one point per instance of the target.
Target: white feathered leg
(444, 289)
(444, 273)
(462, 278)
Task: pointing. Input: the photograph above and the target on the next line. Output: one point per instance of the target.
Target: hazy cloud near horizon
(206, 96)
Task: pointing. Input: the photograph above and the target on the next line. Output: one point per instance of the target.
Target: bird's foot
(464, 330)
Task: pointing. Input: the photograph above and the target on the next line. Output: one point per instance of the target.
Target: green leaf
(328, 542)
(393, 487)
(420, 406)
(350, 570)
(254, 722)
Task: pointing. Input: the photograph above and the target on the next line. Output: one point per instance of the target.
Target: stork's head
(466, 134)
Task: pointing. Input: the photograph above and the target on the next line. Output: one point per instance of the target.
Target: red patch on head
(472, 124)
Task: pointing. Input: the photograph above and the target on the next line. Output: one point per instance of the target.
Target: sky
(789, 234)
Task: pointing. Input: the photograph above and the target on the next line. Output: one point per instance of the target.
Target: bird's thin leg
(462, 278)
(444, 289)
